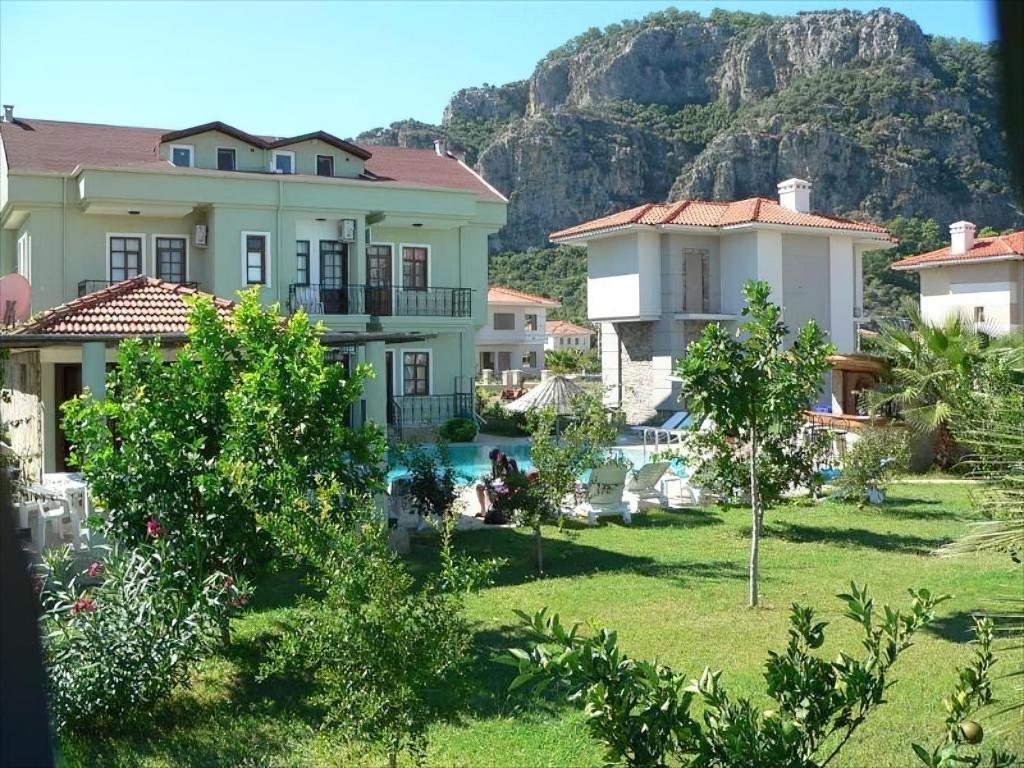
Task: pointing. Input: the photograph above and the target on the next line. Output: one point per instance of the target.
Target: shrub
(879, 453)
(432, 484)
(458, 430)
(120, 635)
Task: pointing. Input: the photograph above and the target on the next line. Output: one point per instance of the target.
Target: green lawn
(674, 585)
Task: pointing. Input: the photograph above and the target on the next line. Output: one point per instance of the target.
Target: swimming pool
(471, 463)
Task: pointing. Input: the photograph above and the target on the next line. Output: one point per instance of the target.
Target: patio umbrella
(556, 392)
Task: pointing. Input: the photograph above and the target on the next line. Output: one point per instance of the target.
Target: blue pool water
(471, 463)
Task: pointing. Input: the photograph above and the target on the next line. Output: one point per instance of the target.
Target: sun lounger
(644, 487)
(604, 495)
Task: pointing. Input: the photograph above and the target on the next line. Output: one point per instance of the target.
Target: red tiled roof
(984, 248)
(565, 328)
(141, 306)
(499, 294)
(703, 213)
(58, 147)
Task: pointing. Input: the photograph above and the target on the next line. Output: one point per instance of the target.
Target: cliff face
(884, 120)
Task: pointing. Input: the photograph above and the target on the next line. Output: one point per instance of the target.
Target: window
(125, 254)
(531, 322)
(302, 262)
(979, 314)
(25, 256)
(416, 373)
(255, 264)
(504, 321)
(414, 267)
(530, 360)
(182, 155)
(171, 258)
(324, 165)
(225, 159)
(283, 162)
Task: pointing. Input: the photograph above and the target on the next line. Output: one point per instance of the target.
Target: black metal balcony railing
(380, 301)
(88, 286)
(426, 410)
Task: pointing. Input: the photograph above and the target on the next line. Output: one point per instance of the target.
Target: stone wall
(636, 352)
(20, 410)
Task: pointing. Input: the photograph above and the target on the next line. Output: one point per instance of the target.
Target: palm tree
(934, 368)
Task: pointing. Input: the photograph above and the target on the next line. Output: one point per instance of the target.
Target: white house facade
(514, 336)
(565, 335)
(658, 273)
(981, 279)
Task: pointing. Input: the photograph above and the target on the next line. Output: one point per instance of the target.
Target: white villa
(565, 335)
(514, 336)
(658, 273)
(981, 279)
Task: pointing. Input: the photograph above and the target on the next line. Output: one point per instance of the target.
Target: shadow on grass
(956, 627)
(681, 517)
(853, 537)
(908, 509)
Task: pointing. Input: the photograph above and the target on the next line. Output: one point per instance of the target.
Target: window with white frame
(302, 262)
(979, 314)
(504, 321)
(414, 267)
(183, 155)
(416, 373)
(283, 162)
(225, 159)
(256, 258)
(171, 258)
(124, 254)
(325, 165)
(25, 256)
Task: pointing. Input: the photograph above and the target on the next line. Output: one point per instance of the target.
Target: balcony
(89, 286)
(417, 411)
(386, 301)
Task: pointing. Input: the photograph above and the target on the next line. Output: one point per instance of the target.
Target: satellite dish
(15, 299)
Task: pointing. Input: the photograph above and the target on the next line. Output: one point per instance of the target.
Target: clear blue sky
(283, 69)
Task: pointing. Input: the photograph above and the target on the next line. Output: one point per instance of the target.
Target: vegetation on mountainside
(559, 272)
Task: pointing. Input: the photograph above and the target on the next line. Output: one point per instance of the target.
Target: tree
(754, 392)
(218, 446)
(640, 711)
(934, 367)
(885, 290)
(561, 455)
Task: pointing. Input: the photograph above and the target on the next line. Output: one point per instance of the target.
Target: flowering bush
(122, 633)
(880, 453)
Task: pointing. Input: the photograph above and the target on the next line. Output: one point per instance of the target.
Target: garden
(251, 611)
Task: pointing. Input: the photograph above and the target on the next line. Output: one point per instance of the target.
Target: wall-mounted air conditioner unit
(347, 230)
(199, 236)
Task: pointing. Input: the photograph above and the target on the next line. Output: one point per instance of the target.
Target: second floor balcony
(380, 301)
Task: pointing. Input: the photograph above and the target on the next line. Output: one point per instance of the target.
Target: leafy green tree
(885, 290)
(640, 711)
(218, 445)
(389, 654)
(561, 455)
(753, 392)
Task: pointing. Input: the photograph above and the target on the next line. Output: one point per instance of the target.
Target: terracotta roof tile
(565, 328)
(141, 306)
(701, 213)
(499, 294)
(58, 147)
(984, 248)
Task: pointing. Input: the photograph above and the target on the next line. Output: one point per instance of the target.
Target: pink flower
(83, 604)
(153, 528)
(94, 569)
(240, 602)
(229, 583)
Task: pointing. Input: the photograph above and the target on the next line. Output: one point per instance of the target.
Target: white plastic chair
(644, 487)
(604, 495)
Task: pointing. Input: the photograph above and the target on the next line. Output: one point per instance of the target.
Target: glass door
(334, 277)
(378, 280)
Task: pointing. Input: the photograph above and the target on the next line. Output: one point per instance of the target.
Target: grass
(674, 585)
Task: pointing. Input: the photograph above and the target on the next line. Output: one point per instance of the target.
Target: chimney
(441, 147)
(795, 194)
(961, 237)
(8, 113)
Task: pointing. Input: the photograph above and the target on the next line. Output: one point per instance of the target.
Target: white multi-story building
(565, 335)
(980, 279)
(514, 336)
(658, 273)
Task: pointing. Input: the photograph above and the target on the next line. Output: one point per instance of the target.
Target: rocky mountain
(885, 120)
